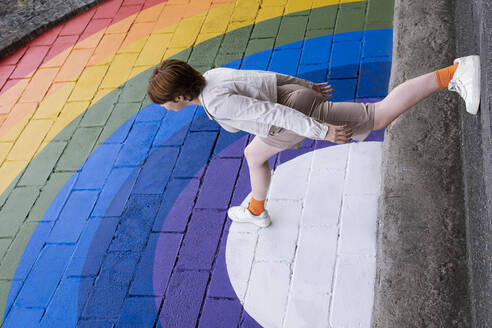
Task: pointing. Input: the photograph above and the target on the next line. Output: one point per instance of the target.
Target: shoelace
(457, 86)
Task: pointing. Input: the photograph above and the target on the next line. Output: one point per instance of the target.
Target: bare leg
(257, 154)
(403, 97)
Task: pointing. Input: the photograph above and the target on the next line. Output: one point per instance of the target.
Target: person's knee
(249, 154)
(379, 118)
(378, 123)
(252, 156)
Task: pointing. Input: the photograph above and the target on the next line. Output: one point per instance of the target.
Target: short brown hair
(173, 78)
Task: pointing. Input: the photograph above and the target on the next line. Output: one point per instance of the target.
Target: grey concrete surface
(422, 275)
(474, 36)
(23, 20)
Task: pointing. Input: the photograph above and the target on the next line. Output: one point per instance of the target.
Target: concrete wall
(422, 276)
(474, 36)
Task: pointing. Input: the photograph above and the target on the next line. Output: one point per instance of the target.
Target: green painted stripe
(54, 165)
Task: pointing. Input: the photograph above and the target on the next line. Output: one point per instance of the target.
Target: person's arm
(288, 79)
(227, 127)
(237, 107)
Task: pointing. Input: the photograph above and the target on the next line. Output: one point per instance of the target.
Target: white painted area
(266, 297)
(279, 242)
(358, 231)
(303, 312)
(315, 265)
(324, 241)
(353, 294)
(239, 265)
(364, 166)
(295, 186)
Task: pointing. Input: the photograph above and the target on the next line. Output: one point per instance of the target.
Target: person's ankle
(445, 75)
(256, 207)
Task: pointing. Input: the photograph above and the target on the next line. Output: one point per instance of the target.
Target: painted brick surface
(73, 218)
(179, 297)
(24, 316)
(87, 264)
(117, 271)
(135, 312)
(218, 183)
(45, 276)
(48, 205)
(177, 205)
(154, 283)
(220, 313)
(155, 173)
(63, 302)
(114, 209)
(14, 211)
(198, 147)
(95, 171)
(136, 223)
(201, 240)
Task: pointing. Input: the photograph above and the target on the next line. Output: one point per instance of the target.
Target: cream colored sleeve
(227, 127)
(288, 79)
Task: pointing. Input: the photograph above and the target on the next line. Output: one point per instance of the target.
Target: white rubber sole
(473, 104)
(476, 84)
(259, 222)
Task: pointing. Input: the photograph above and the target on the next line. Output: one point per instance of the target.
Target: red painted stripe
(150, 3)
(133, 2)
(14, 58)
(5, 72)
(77, 25)
(62, 43)
(48, 37)
(30, 61)
(108, 9)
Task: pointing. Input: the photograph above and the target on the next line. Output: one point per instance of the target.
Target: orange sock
(445, 75)
(256, 206)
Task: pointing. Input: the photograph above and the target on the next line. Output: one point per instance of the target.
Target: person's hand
(324, 88)
(338, 133)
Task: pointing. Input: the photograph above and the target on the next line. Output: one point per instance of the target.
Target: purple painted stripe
(220, 313)
(181, 308)
(169, 244)
(218, 183)
(202, 242)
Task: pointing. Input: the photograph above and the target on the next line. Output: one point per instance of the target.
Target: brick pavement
(114, 210)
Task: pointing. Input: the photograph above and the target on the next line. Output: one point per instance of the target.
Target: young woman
(282, 110)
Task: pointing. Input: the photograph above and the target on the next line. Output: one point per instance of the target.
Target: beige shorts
(358, 116)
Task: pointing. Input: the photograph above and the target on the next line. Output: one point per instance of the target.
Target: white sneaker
(242, 214)
(466, 81)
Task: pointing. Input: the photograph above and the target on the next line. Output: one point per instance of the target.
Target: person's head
(174, 83)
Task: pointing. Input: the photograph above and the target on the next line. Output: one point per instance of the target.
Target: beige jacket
(247, 100)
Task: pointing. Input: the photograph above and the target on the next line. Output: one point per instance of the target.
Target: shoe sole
(476, 81)
(475, 102)
(262, 223)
